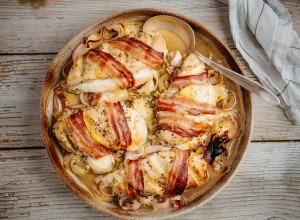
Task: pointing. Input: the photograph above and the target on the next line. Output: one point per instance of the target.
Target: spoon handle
(243, 81)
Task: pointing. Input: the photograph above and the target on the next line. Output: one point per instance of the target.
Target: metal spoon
(186, 33)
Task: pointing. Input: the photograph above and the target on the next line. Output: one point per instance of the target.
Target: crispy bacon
(180, 104)
(134, 179)
(113, 68)
(183, 81)
(80, 136)
(178, 176)
(140, 51)
(181, 125)
(118, 123)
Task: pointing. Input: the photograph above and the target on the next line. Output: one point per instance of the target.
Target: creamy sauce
(173, 41)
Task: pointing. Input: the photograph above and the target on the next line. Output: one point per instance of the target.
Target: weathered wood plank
(27, 30)
(21, 80)
(266, 186)
(49, 29)
(20, 88)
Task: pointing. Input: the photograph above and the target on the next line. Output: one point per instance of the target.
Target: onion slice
(79, 51)
(102, 165)
(176, 59)
(82, 99)
(128, 204)
(106, 190)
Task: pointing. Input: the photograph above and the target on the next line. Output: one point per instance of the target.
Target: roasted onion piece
(67, 161)
(229, 102)
(163, 82)
(79, 165)
(106, 189)
(113, 31)
(128, 204)
(100, 195)
(215, 147)
(175, 58)
(94, 41)
(80, 50)
(82, 97)
(215, 77)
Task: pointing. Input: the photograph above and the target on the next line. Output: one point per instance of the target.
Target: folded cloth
(263, 33)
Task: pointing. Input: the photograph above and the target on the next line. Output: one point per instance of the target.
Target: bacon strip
(181, 125)
(178, 176)
(134, 179)
(184, 105)
(80, 136)
(118, 123)
(183, 81)
(113, 68)
(140, 51)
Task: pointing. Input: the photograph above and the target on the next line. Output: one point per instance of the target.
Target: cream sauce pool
(173, 41)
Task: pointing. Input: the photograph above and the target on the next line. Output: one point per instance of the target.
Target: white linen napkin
(263, 33)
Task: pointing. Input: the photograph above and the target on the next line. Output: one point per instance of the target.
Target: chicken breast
(156, 169)
(193, 96)
(97, 123)
(86, 75)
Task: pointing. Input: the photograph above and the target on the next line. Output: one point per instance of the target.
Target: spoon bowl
(186, 33)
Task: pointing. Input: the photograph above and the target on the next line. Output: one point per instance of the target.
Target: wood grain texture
(20, 89)
(266, 186)
(27, 30)
(49, 29)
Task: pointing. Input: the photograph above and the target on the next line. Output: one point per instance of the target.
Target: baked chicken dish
(139, 124)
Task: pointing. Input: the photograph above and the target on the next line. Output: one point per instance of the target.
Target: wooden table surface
(267, 185)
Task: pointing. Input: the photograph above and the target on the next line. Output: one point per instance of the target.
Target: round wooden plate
(206, 41)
